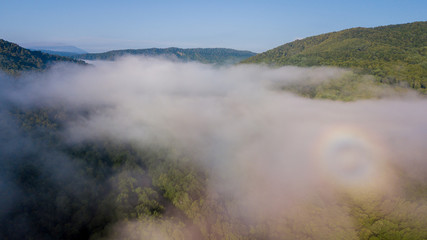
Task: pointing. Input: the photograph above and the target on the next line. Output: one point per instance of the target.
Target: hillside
(394, 54)
(14, 58)
(204, 55)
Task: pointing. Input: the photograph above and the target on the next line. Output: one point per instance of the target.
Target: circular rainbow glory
(347, 156)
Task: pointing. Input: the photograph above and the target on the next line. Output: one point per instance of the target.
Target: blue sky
(97, 26)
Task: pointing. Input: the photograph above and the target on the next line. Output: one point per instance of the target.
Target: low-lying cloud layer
(265, 148)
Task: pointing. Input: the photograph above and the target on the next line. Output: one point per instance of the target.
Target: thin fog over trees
(158, 149)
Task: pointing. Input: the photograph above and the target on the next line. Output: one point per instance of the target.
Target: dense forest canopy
(394, 54)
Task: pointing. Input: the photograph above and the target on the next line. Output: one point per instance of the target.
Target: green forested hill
(394, 53)
(204, 55)
(14, 58)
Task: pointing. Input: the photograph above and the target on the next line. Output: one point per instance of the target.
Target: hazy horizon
(100, 26)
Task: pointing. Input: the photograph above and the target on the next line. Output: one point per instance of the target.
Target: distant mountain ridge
(14, 58)
(60, 50)
(204, 55)
(394, 54)
(56, 48)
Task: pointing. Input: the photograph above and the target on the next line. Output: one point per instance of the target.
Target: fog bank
(266, 149)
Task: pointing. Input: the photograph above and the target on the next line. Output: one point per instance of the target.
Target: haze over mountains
(394, 55)
(61, 50)
(203, 55)
(221, 56)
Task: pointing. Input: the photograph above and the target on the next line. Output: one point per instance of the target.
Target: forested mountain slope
(14, 58)
(204, 55)
(394, 53)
